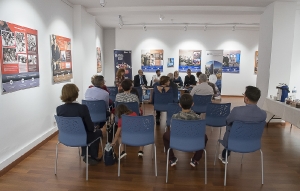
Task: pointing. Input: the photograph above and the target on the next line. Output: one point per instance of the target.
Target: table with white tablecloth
(285, 112)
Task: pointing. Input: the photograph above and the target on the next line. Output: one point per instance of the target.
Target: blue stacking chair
(97, 109)
(138, 131)
(72, 133)
(133, 106)
(245, 137)
(113, 91)
(161, 100)
(173, 108)
(140, 91)
(200, 103)
(216, 115)
(187, 136)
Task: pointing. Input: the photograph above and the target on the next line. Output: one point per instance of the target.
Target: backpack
(109, 155)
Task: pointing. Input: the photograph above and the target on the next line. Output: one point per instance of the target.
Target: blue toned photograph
(231, 61)
(170, 62)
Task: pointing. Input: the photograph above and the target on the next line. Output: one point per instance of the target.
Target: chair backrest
(216, 114)
(172, 109)
(187, 135)
(161, 100)
(113, 91)
(97, 109)
(133, 106)
(137, 130)
(245, 137)
(200, 103)
(71, 131)
(140, 91)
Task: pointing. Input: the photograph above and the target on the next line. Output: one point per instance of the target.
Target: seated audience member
(174, 88)
(177, 79)
(189, 79)
(72, 108)
(248, 113)
(156, 77)
(103, 86)
(162, 87)
(185, 102)
(126, 96)
(120, 76)
(122, 109)
(203, 88)
(97, 93)
(140, 79)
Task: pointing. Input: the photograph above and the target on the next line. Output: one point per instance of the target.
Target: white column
(109, 46)
(275, 47)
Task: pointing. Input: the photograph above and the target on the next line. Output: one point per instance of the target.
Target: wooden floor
(281, 147)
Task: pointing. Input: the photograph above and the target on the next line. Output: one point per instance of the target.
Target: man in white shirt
(96, 92)
(156, 77)
(203, 88)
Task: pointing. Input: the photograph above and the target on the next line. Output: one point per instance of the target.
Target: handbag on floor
(109, 155)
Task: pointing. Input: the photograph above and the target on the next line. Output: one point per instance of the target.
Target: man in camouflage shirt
(186, 102)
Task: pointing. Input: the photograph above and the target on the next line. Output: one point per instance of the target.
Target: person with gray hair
(203, 88)
(97, 92)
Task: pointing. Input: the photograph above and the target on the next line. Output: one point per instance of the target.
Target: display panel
(152, 60)
(189, 59)
(122, 59)
(231, 61)
(99, 61)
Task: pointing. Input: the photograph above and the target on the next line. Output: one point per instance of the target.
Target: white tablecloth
(284, 111)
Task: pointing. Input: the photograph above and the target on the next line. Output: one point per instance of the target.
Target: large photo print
(189, 59)
(18, 57)
(61, 59)
(231, 61)
(152, 60)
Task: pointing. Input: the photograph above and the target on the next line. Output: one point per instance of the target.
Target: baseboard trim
(26, 154)
(231, 96)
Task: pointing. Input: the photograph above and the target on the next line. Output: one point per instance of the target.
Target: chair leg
(262, 167)
(242, 158)
(226, 167)
(167, 169)
(220, 132)
(119, 159)
(87, 164)
(56, 154)
(205, 163)
(154, 146)
(217, 151)
(79, 151)
(101, 145)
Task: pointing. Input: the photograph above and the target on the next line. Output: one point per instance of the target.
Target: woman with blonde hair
(177, 79)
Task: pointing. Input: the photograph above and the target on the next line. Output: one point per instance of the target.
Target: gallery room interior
(263, 37)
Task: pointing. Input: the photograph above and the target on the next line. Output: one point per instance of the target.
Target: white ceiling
(147, 12)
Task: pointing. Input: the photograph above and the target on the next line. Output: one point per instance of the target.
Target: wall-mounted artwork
(99, 61)
(231, 61)
(255, 62)
(61, 58)
(18, 57)
(189, 59)
(152, 60)
(170, 62)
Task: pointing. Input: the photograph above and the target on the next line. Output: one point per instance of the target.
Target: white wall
(27, 116)
(295, 67)
(171, 40)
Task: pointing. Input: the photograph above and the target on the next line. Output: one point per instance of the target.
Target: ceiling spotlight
(185, 28)
(161, 17)
(205, 28)
(120, 21)
(233, 28)
(145, 28)
(102, 3)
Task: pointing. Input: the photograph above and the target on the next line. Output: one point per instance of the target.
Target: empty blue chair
(188, 136)
(200, 103)
(71, 132)
(216, 115)
(138, 131)
(113, 91)
(161, 100)
(245, 137)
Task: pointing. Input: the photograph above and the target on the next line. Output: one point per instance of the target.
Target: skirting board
(14, 159)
